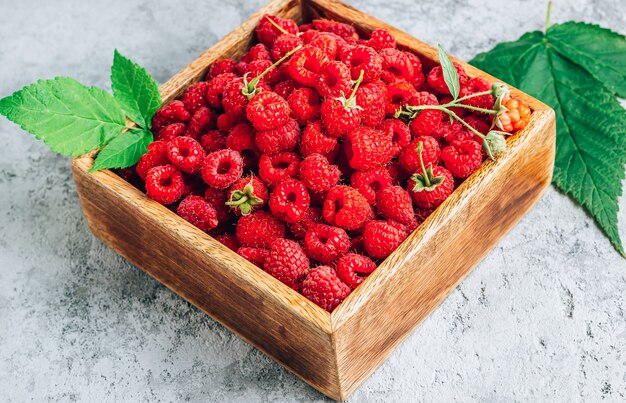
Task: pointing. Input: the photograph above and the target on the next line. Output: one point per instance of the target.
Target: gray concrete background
(541, 318)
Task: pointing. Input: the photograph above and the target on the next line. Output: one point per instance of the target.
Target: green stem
(472, 108)
(238, 202)
(548, 15)
(420, 148)
(356, 84)
(464, 123)
(258, 78)
(278, 27)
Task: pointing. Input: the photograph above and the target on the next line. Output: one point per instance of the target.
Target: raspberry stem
(351, 101)
(250, 89)
(420, 148)
(278, 27)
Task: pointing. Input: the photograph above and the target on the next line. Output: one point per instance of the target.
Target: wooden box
(335, 352)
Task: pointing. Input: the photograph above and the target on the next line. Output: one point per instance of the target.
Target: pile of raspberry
(292, 157)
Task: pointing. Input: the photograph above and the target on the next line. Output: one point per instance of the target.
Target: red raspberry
(381, 39)
(228, 240)
(290, 200)
(215, 89)
(267, 110)
(325, 243)
(314, 140)
(305, 104)
(213, 140)
(410, 156)
(155, 156)
(340, 116)
(218, 199)
(345, 207)
(396, 64)
(399, 133)
(418, 75)
(427, 121)
(368, 148)
(429, 194)
(198, 123)
(273, 169)
(394, 203)
(174, 112)
(462, 158)
(460, 112)
(368, 183)
(365, 59)
(284, 138)
(333, 80)
(397, 173)
(306, 64)
(381, 238)
(225, 122)
(398, 94)
(285, 88)
(326, 42)
(164, 184)
(323, 287)
(241, 139)
(438, 83)
(185, 154)
(255, 256)
(247, 195)
(287, 262)
(283, 44)
(198, 211)
(221, 67)
(195, 96)
(233, 100)
(307, 33)
(220, 169)
(170, 131)
(372, 98)
(258, 67)
(256, 52)
(474, 86)
(478, 124)
(259, 230)
(338, 28)
(317, 174)
(352, 269)
(299, 229)
(267, 31)
(453, 131)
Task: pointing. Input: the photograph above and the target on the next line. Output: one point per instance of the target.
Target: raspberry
(287, 262)
(462, 158)
(437, 82)
(307, 33)
(396, 64)
(185, 154)
(305, 104)
(418, 75)
(352, 269)
(345, 207)
(368, 183)
(285, 88)
(326, 243)
(256, 52)
(367, 148)
(255, 256)
(164, 184)
(365, 59)
(326, 42)
(381, 39)
(218, 199)
(339, 116)
(333, 80)
(174, 112)
(459, 111)
(372, 98)
(381, 238)
(427, 121)
(317, 174)
(283, 44)
(312, 217)
(394, 203)
(155, 156)
(397, 173)
(213, 140)
(228, 240)
(198, 123)
(516, 117)
(195, 96)
(221, 67)
(306, 64)
(234, 101)
(474, 86)
(259, 230)
(345, 31)
(198, 212)
(241, 139)
(264, 70)
(267, 110)
(273, 169)
(323, 287)
(399, 133)
(267, 31)
(247, 195)
(215, 89)
(478, 124)
(220, 169)
(225, 122)
(410, 156)
(453, 131)
(314, 140)
(284, 138)
(398, 94)
(290, 200)
(430, 193)
(170, 131)
(356, 245)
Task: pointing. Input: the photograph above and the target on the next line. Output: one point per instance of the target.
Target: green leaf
(69, 117)
(135, 90)
(124, 150)
(450, 75)
(591, 124)
(600, 51)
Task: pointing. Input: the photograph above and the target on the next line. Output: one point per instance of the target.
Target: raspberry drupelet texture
(396, 65)
(267, 110)
(398, 94)
(267, 31)
(215, 89)
(367, 148)
(381, 39)
(352, 269)
(410, 156)
(327, 42)
(221, 67)
(306, 64)
(315, 141)
(426, 121)
(164, 184)
(213, 140)
(299, 229)
(436, 81)
(273, 169)
(221, 169)
(156, 155)
(368, 183)
(186, 154)
(326, 243)
(254, 255)
(394, 203)
(318, 174)
(283, 138)
(199, 123)
(290, 201)
(170, 131)
(380, 238)
(371, 98)
(228, 240)
(474, 86)
(305, 104)
(345, 207)
(363, 59)
(323, 287)
(399, 133)
(516, 117)
(195, 96)
(462, 158)
(333, 80)
(259, 229)
(198, 212)
(287, 262)
(241, 138)
(431, 193)
(218, 199)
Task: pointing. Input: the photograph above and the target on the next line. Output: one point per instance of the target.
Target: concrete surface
(541, 319)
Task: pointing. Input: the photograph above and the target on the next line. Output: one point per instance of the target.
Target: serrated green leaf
(598, 50)
(591, 125)
(450, 75)
(135, 90)
(124, 150)
(69, 117)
